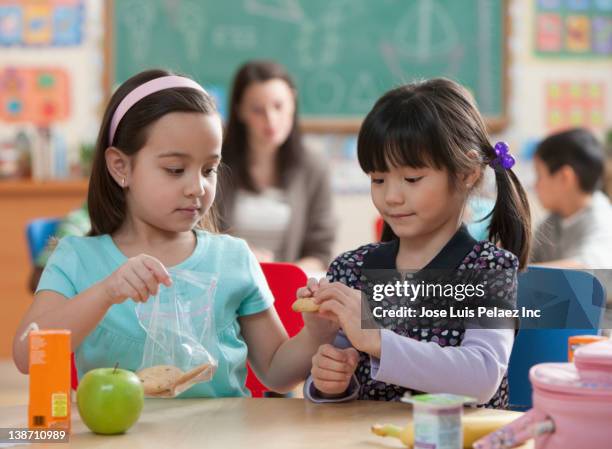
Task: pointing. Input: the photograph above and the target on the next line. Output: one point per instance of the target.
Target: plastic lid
(438, 400)
(564, 378)
(599, 353)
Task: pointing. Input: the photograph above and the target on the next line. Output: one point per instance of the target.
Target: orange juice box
(575, 341)
(49, 380)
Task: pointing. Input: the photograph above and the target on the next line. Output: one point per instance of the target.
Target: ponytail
(511, 218)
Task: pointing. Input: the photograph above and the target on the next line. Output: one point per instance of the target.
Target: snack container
(572, 405)
(49, 404)
(437, 420)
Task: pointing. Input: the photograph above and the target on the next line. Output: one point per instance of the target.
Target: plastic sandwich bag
(180, 334)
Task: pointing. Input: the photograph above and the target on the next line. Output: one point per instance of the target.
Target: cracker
(159, 378)
(305, 305)
(204, 371)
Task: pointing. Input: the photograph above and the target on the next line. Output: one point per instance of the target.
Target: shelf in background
(27, 187)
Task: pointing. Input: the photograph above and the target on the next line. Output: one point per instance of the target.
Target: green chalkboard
(343, 53)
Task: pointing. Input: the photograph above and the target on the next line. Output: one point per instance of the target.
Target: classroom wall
(529, 78)
(83, 65)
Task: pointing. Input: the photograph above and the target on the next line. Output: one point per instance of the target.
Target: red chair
(378, 228)
(284, 279)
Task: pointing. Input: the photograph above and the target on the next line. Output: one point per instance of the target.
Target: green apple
(110, 400)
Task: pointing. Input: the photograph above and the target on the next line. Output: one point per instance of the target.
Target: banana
(404, 434)
(474, 428)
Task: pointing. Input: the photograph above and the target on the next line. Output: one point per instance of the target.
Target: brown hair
(235, 145)
(105, 199)
(435, 123)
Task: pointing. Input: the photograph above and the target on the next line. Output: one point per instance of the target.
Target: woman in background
(277, 195)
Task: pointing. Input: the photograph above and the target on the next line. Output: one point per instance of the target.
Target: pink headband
(155, 85)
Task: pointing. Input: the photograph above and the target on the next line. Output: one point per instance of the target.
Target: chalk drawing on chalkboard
(317, 47)
(234, 37)
(401, 64)
(326, 90)
(286, 10)
(426, 32)
(191, 24)
(362, 92)
(139, 25)
(318, 43)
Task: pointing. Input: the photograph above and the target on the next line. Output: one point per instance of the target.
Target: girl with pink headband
(150, 199)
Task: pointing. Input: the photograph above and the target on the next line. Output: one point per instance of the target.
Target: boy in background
(578, 232)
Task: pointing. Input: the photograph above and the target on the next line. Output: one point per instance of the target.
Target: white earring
(122, 182)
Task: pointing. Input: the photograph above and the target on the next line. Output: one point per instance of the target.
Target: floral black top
(461, 252)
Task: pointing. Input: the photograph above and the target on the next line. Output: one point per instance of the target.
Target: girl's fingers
(334, 285)
(333, 306)
(131, 292)
(158, 269)
(147, 277)
(327, 375)
(331, 293)
(131, 284)
(352, 357)
(332, 352)
(138, 284)
(327, 364)
(312, 284)
(303, 292)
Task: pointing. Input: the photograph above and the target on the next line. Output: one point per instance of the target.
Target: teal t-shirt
(79, 262)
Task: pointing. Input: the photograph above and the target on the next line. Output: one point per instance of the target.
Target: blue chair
(572, 302)
(38, 232)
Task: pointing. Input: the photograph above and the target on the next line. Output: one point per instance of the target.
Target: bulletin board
(573, 28)
(41, 23)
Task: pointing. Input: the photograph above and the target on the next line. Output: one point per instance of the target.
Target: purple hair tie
(503, 157)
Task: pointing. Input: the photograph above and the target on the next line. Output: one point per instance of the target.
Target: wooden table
(243, 423)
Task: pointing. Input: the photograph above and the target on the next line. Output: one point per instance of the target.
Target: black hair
(435, 123)
(578, 149)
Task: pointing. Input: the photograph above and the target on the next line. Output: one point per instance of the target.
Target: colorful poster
(572, 104)
(550, 32)
(578, 34)
(602, 35)
(37, 24)
(35, 95)
(41, 22)
(573, 28)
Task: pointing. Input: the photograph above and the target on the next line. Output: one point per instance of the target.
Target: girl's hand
(343, 305)
(332, 369)
(138, 278)
(323, 327)
(311, 287)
